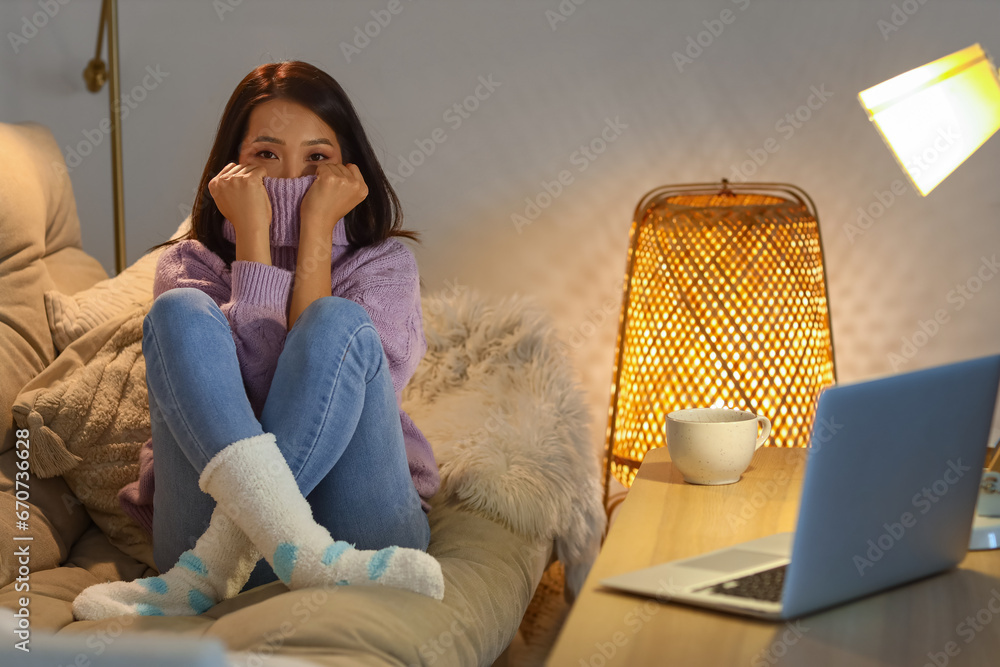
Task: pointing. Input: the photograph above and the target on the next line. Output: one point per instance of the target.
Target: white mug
(714, 445)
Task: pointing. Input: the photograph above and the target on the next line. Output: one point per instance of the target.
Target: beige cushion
(56, 519)
(71, 315)
(37, 220)
(41, 250)
(73, 270)
(490, 573)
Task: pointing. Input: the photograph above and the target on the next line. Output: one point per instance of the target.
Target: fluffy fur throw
(494, 395)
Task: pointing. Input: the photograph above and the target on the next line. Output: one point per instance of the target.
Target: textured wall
(511, 200)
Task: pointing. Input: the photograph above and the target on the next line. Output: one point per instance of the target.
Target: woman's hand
(338, 188)
(239, 193)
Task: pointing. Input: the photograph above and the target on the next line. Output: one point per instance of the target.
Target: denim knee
(174, 304)
(337, 318)
(333, 313)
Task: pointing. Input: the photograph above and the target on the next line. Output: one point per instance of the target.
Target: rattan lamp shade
(724, 304)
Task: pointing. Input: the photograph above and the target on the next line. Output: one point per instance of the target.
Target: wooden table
(947, 619)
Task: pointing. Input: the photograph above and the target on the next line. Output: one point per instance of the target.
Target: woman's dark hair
(378, 217)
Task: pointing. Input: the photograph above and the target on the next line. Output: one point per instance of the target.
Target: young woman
(283, 329)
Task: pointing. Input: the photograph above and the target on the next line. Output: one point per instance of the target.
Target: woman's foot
(252, 481)
(301, 565)
(216, 568)
(181, 591)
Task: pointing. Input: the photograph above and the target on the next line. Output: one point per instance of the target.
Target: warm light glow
(734, 315)
(935, 116)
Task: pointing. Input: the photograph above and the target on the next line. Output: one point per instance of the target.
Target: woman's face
(288, 140)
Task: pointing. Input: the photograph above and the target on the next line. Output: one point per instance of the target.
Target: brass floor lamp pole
(95, 74)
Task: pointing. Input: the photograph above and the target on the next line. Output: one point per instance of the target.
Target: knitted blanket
(495, 396)
(89, 425)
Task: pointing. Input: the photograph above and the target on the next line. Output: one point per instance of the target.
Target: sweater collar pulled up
(286, 196)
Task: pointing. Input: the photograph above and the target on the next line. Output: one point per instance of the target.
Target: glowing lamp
(724, 304)
(935, 116)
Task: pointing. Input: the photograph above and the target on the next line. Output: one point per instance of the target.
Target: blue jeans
(331, 406)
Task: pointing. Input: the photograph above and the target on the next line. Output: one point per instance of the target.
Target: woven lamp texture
(725, 306)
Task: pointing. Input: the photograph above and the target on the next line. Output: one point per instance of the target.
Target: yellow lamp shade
(724, 305)
(935, 116)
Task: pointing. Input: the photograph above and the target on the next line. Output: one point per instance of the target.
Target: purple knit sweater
(382, 278)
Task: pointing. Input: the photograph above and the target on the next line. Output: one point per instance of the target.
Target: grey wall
(559, 84)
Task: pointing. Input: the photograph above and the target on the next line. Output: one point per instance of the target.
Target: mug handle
(766, 423)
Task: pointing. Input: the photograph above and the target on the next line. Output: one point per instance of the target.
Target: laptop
(888, 497)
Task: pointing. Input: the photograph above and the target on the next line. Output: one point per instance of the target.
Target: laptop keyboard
(765, 585)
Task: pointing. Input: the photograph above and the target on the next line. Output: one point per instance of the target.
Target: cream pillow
(71, 316)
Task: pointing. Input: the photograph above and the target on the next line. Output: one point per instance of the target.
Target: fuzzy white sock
(252, 482)
(215, 569)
